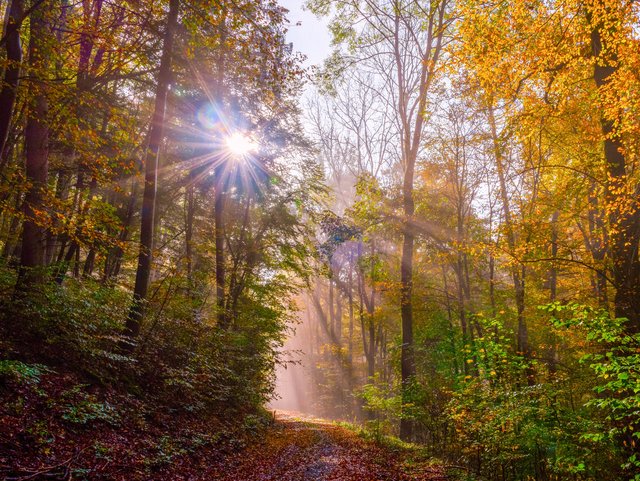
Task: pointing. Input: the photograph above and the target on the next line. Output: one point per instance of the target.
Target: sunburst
(240, 145)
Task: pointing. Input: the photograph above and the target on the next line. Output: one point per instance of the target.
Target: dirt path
(307, 449)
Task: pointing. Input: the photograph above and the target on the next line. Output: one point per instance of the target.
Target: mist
(294, 390)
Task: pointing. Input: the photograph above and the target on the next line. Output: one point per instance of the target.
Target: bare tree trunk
(136, 313)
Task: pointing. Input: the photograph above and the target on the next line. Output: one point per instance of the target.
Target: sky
(311, 37)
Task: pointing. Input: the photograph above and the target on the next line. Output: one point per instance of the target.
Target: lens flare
(208, 116)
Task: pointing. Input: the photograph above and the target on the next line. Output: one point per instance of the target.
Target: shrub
(615, 362)
(508, 428)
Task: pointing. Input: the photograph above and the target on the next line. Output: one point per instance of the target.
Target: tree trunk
(371, 365)
(219, 239)
(83, 211)
(350, 299)
(190, 201)
(89, 262)
(553, 271)
(553, 289)
(518, 272)
(37, 152)
(622, 205)
(597, 244)
(332, 312)
(136, 313)
(114, 259)
(60, 195)
(12, 71)
(407, 359)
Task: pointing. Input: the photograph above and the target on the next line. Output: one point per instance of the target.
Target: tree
(608, 21)
(403, 43)
(156, 133)
(9, 93)
(37, 148)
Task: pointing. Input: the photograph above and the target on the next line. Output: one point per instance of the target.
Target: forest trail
(302, 448)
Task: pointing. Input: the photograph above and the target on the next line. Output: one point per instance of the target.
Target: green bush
(508, 427)
(182, 360)
(80, 407)
(78, 324)
(384, 407)
(615, 362)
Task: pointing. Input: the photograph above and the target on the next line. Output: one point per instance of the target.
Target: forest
(415, 260)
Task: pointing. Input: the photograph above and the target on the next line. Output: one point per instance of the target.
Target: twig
(48, 469)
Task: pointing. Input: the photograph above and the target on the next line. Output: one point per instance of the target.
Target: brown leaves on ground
(312, 450)
(63, 429)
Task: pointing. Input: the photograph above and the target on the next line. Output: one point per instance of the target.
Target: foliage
(81, 408)
(455, 165)
(80, 321)
(19, 372)
(537, 430)
(382, 407)
(614, 360)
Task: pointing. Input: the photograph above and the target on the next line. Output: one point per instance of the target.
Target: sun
(239, 144)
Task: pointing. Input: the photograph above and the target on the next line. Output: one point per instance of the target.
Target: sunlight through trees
(433, 237)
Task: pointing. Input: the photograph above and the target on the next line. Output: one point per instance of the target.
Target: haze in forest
(224, 224)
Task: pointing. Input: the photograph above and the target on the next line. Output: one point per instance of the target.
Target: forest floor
(54, 427)
(301, 448)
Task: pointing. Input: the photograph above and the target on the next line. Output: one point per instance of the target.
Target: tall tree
(156, 135)
(606, 19)
(36, 146)
(402, 43)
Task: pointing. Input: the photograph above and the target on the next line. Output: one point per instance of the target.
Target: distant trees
(522, 190)
(401, 44)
